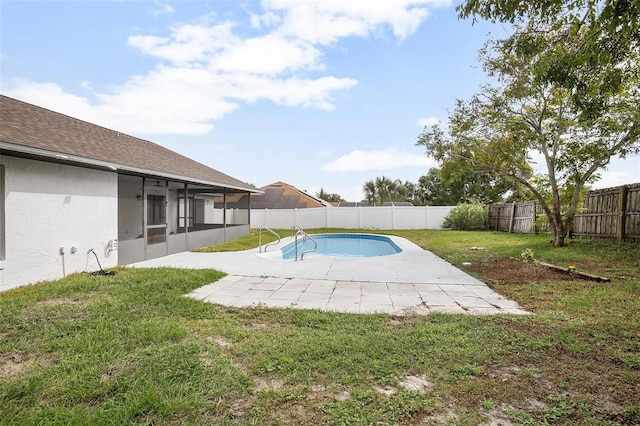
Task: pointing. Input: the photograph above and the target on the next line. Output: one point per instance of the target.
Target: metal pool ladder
(264, 228)
(304, 239)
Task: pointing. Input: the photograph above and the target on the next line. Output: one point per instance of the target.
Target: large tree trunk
(559, 231)
(559, 237)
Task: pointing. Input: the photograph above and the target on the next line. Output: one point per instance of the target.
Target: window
(190, 210)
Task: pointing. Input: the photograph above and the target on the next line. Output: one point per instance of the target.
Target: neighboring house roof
(280, 195)
(36, 132)
(399, 204)
(370, 204)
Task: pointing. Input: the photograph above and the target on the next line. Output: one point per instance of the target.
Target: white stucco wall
(49, 206)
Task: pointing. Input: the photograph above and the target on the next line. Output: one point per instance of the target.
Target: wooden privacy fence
(610, 213)
(516, 217)
(607, 213)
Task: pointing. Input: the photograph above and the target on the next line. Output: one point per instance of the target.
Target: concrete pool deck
(413, 282)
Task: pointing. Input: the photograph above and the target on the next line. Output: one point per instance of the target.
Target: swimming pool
(342, 245)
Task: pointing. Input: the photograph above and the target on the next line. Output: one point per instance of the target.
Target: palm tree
(370, 191)
(383, 189)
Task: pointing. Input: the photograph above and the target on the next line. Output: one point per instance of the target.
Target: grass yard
(131, 349)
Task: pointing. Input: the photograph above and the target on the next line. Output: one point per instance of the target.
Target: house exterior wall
(51, 206)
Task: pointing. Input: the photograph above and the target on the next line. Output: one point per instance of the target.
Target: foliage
(332, 198)
(604, 35)
(453, 184)
(467, 217)
(410, 192)
(446, 186)
(499, 131)
(382, 189)
(528, 256)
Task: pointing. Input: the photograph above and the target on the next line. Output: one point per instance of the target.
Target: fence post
(512, 218)
(622, 213)
(426, 217)
(535, 217)
(393, 217)
(326, 217)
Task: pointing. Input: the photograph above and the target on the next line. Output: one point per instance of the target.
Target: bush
(466, 217)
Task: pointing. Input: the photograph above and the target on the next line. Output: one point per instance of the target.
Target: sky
(318, 94)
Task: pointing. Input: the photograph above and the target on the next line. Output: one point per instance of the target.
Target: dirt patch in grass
(13, 365)
(58, 301)
(261, 326)
(397, 321)
(219, 341)
(264, 385)
(418, 384)
(514, 271)
(497, 417)
(110, 375)
(239, 408)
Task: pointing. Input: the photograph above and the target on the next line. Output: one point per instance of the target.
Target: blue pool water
(342, 245)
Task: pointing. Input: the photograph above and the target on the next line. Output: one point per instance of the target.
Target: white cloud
(326, 21)
(428, 121)
(269, 54)
(292, 91)
(387, 159)
(266, 20)
(188, 43)
(160, 8)
(51, 96)
(207, 70)
(116, 111)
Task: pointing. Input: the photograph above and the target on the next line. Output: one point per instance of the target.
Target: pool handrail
(304, 238)
(264, 228)
(294, 229)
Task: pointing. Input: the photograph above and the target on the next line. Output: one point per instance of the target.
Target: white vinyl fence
(392, 217)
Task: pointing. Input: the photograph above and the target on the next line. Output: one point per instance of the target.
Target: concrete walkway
(413, 282)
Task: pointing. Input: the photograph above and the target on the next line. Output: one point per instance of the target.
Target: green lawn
(130, 348)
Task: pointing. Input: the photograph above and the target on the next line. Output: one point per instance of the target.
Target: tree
(455, 182)
(604, 35)
(382, 190)
(409, 192)
(434, 192)
(332, 198)
(497, 132)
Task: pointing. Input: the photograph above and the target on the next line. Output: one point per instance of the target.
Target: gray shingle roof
(30, 126)
(278, 195)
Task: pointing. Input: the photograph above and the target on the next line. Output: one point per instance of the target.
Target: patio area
(413, 282)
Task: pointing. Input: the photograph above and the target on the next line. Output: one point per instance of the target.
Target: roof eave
(74, 160)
